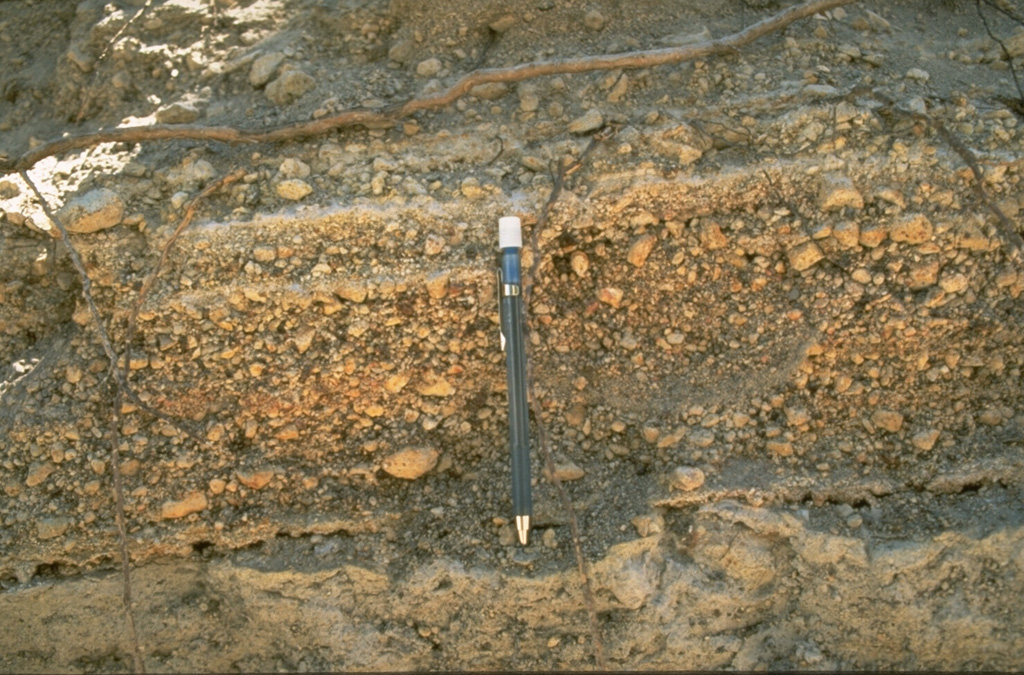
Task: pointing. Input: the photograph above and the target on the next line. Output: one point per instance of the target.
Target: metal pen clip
(501, 317)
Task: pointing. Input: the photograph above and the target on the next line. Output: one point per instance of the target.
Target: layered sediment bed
(775, 335)
(846, 385)
(729, 586)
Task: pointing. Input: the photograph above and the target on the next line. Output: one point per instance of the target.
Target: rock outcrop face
(774, 334)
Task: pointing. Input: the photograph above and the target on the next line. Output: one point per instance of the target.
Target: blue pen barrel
(511, 272)
(515, 355)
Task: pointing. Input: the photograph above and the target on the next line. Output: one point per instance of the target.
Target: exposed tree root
(390, 114)
(563, 171)
(122, 386)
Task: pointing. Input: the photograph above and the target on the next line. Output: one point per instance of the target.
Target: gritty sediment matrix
(775, 334)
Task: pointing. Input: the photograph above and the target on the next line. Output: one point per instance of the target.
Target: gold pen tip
(523, 529)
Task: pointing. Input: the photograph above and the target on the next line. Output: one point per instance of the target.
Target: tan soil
(817, 312)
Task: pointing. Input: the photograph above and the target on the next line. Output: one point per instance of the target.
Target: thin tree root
(389, 115)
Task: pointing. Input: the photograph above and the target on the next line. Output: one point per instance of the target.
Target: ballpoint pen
(510, 299)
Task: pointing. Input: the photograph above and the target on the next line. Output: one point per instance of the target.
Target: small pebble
(434, 245)
(503, 23)
(471, 188)
(877, 22)
(954, 282)
(648, 525)
(191, 174)
(888, 420)
(701, 438)
(672, 438)
(193, 503)
(489, 91)
(640, 250)
(872, 236)
(923, 275)
(289, 86)
(396, 383)
(838, 192)
(50, 528)
(576, 415)
(255, 480)
(820, 91)
(264, 67)
(610, 296)
(891, 195)
(39, 472)
(687, 478)
(264, 253)
(593, 20)
(293, 168)
(913, 229)
(591, 121)
(179, 199)
(73, 373)
(304, 338)
(522, 558)
(916, 104)
(353, 291)
(805, 256)
(402, 51)
(439, 388)
(781, 448)
(288, 432)
(411, 463)
(918, 74)
(580, 263)
(797, 417)
(619, 90)
(568, 471)
(711, 236)
(177, 113)
(991, 417)
(293, 189)
(437, 285)
(847, 234)
(925, 440)
(96, 210)
(429, 67)
(529, 101)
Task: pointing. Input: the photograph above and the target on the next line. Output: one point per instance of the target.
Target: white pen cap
(510, 232)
